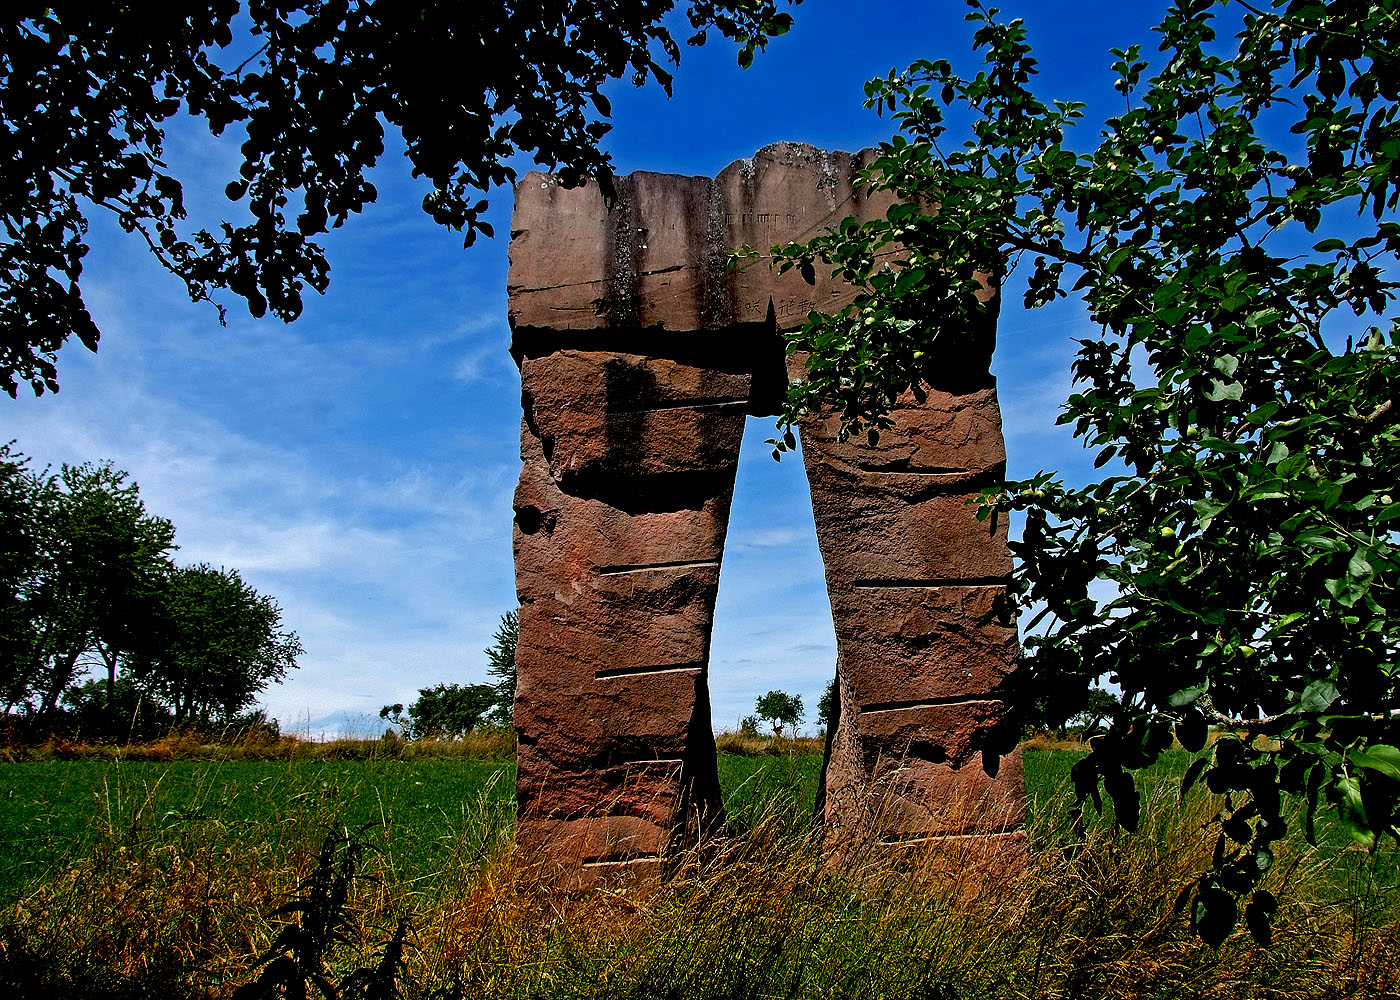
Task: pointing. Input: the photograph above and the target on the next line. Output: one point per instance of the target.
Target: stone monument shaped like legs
(641, 353)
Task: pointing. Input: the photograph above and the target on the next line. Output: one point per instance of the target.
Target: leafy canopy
(1233, 233)
(500, 667)
(444, 711)
(780, 709)
(80, 562)
(86, 580)
(214, 643)
(87, 88)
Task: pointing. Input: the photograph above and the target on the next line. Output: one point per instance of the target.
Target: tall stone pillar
(621, 514)
(924, 631)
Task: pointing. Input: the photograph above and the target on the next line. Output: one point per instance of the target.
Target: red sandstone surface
(641, 352)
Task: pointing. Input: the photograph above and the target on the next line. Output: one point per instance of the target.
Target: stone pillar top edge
(744, 162)
(659, 256)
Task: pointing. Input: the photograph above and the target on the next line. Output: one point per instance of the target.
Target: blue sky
(358, 464)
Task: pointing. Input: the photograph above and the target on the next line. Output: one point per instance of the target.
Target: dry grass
(741, 744)
(162, 911)
(487, 744)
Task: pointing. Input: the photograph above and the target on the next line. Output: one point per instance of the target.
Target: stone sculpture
(641, 352)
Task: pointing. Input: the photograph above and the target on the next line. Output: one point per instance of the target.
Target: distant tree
(780, 709)
(82, 561)
(500, 657)
(446, 711)
(1099, 707)
(122, 711)
(310, 87)
(826, 705)
(20, 556)
(214, 644)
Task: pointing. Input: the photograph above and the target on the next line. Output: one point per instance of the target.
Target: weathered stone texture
(924, 630)
(659, 258)
(641, 352)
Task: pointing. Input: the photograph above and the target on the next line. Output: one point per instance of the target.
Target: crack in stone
(621, 862)
(913, 470)
(709, 402)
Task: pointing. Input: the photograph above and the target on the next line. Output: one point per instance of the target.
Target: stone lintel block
(659, 259)
(783, 193)
(560, 241)
(924, 643)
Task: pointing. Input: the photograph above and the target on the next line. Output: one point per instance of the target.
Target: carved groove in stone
(688, 404)
(877, 707)
(675, 668)
(656, 567)
(621, 862)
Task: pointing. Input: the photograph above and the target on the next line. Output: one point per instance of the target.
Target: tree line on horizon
(450, 711)
(88, 586)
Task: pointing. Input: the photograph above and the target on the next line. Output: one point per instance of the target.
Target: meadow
(147, 878)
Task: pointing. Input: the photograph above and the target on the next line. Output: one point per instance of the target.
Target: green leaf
(1318, 696)
(1188, 696)
(1192, 730)
(1116, 261)
(1259, 917)
(1378, 757)
(1352, 811)
(1206, 510)
(1214, 915)
(1192, 774)
(1220, 391)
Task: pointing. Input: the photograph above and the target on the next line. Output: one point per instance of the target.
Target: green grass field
(55, 810)
(165, 879)
(418, 811)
